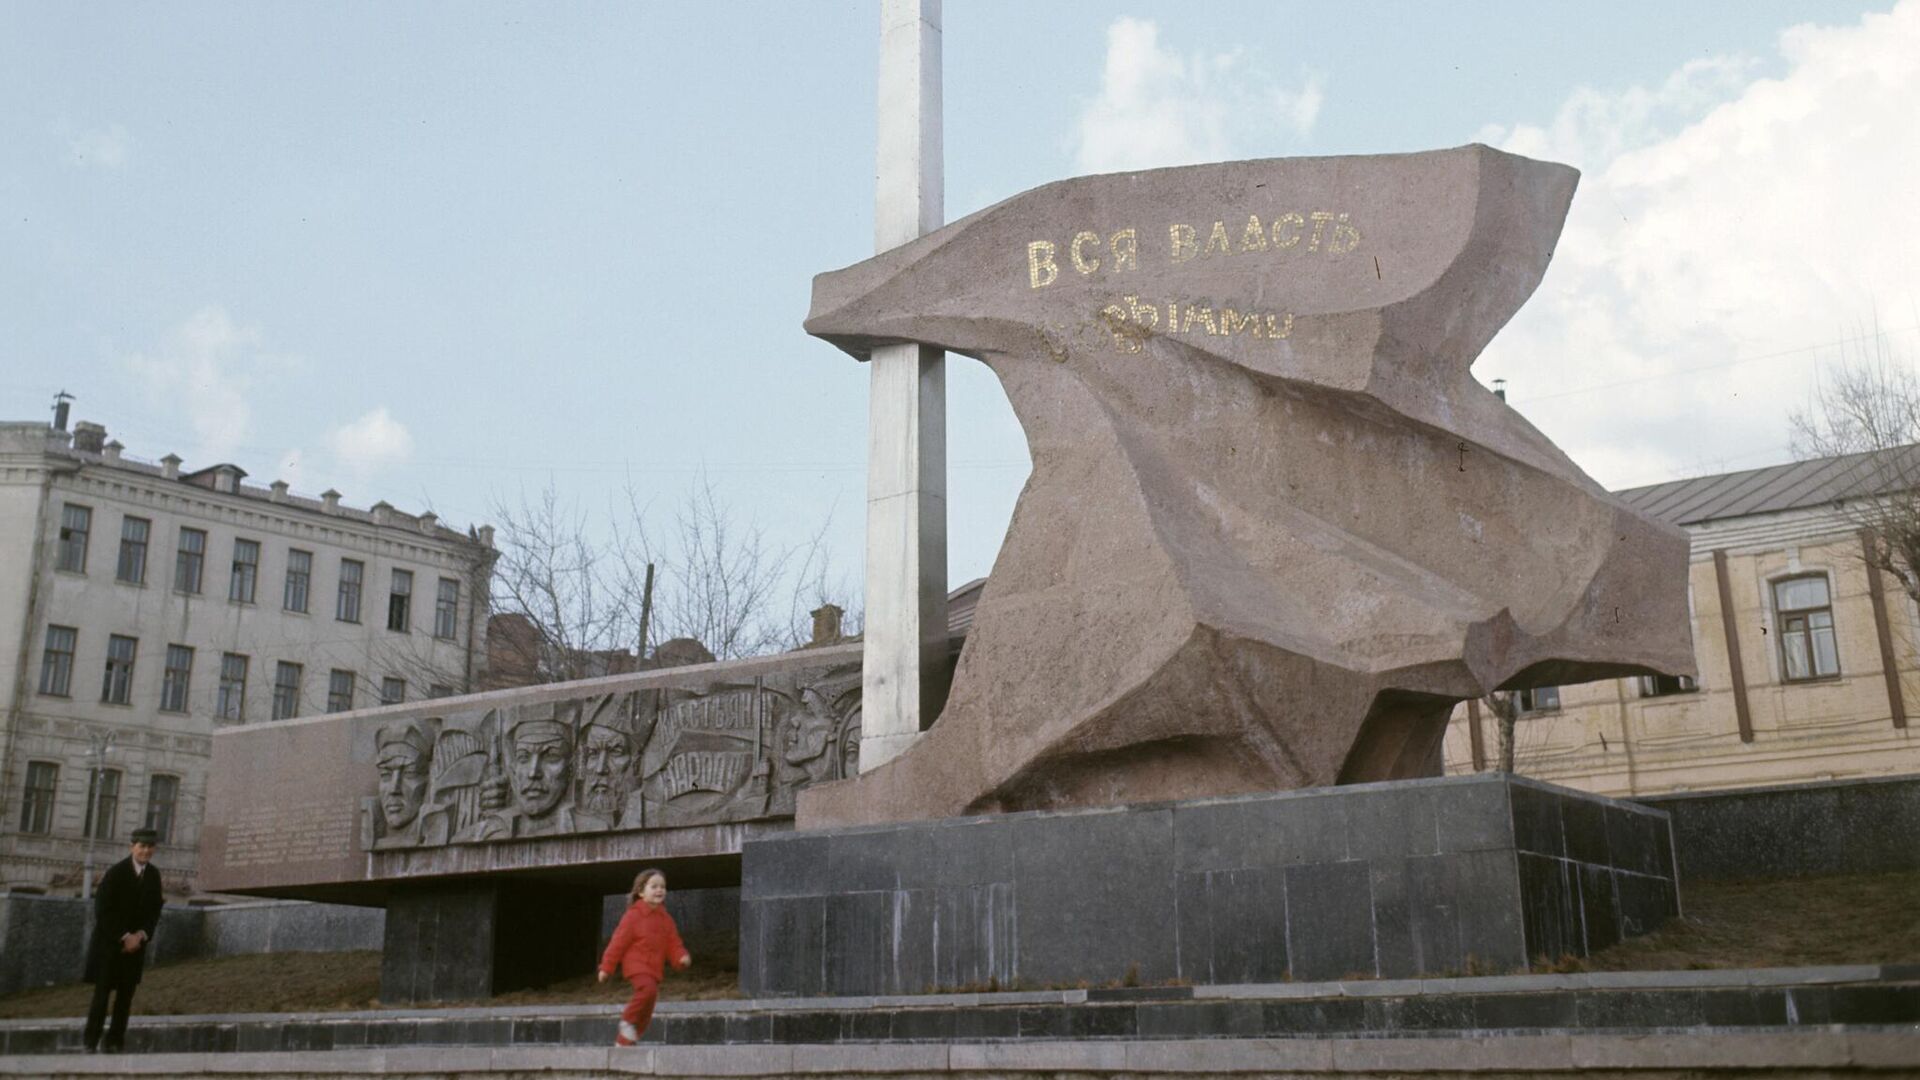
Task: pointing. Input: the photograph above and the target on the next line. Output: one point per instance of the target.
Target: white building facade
(142, 607)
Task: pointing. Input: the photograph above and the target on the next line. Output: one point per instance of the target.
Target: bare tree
(1505, 707)
(570, 605)
(1865, 413)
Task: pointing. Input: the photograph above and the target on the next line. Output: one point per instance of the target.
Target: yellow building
(1793, 637)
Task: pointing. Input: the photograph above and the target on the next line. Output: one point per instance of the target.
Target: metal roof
(1778, 487)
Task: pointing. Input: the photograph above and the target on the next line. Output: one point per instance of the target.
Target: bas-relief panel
(636, 759)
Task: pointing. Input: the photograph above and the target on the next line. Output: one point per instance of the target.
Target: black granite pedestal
(467, 940)
(1472, 875)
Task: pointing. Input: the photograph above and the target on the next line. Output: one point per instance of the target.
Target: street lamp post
(99, 748)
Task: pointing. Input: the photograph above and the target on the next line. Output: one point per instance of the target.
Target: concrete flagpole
(904, 676)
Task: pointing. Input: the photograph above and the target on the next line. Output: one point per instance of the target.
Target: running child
(641, 947)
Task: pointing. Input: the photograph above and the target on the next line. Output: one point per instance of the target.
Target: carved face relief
(403, 784)
(606, 770)
(806, 736)
(539, 772)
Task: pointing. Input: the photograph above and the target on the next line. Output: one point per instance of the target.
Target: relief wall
(632, 759)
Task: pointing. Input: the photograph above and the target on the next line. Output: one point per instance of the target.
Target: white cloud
(206, 370)
(106, 147)
(1157, 107)
(375, 441)
(1728, 232)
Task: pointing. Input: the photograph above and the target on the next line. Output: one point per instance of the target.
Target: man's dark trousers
(128, 902)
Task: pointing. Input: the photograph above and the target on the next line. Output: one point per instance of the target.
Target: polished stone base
(1476, 874)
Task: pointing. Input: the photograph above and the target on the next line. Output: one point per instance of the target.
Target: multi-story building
(1807, 657)
(143, 606)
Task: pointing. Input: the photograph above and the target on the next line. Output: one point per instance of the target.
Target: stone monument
(1275, 530)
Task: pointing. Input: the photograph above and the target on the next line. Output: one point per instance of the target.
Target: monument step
(1757, 1001)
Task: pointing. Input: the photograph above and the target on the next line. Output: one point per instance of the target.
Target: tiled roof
(1778, 487)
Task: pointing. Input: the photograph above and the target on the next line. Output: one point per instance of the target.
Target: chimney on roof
(485, 535)
(62, 404)
(170, 466)
(826, 624)
(226, 478)
(428, 520)
(279, 489)
(382, 512)
(89, 437)
(330, 500)
(111, 451)
(1500, 389)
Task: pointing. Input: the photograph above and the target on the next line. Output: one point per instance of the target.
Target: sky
(451, 255)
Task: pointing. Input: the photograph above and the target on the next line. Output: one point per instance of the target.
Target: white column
(904, 676)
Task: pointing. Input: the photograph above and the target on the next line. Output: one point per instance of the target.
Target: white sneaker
(628, 1033)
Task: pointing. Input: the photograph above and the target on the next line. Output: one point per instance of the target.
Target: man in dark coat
(125, 912)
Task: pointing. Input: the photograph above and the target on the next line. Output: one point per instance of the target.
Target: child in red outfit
(645, 940)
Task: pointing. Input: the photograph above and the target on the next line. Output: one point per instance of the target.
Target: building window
(1538, 699)
(340, 691)
(286, 690)
(103, 802)
(446, 609)
(438, 690)
(56, 664)
(173, 683)
(246, 571)
(116, 685)
(189, 561)
(347, 607)
(299, 576)
(36, 810)
(392, 691)
(133, 550)
(1666, 685)
(232, 701)
(1805, 611)
(399, 601)
(75, 523)
(162, 793)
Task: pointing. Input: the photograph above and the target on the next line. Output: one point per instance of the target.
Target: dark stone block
(1392, 822)
(872, 860)
(692, 1029)
(865, 1025)
(1393, 917)
(537, 1030)
(1317, 1016)
(1438, 895)
(1536, 821)
(1547, 901)
(34, 1041)
(1584, 824)
(794, 955)
(1600, 921)
(261, 1038)
(1102, 1021)
(749, 1027)
(1602, 1009)
(393, 1033)
(1080, 908)
(589, 1030)
(1523, 1011)
(1737, 1008)
(1140, 993)
(809, 1026)
(1474, 816)
(1045, 1021)
(345, 1034)
(976, 944)
(1330, 921)
(1419, 1014)
(1880, 1004)
(786, 866)
(993, 1023)
(1200, 1019)
(1232, 926)
(1796, 830)
(859, 930)
(1270, 833)
(1809, 1005)
(1638, 841)
(1643, 902)
(1490, 913)
(924, 1025)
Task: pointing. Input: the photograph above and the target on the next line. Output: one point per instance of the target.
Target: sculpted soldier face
(403, 784)
(539, 770)
(606, 770)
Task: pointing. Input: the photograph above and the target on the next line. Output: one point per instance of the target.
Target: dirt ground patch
(1839, 920)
